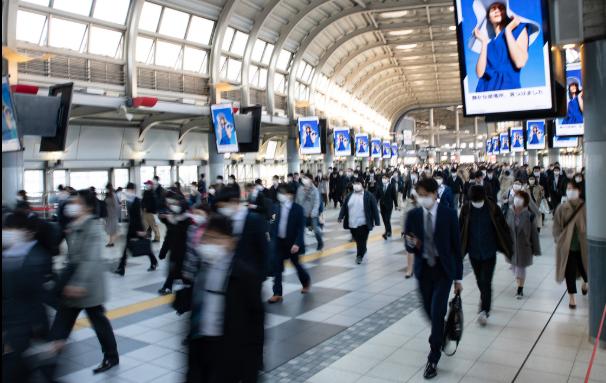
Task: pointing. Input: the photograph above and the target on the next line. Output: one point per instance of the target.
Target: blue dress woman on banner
(504, 50)
(341, 147)
(309, 141)
(226, 129)
(575, 105)
(534, 136)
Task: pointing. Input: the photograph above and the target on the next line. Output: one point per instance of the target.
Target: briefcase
(453, 328)
(139, 247)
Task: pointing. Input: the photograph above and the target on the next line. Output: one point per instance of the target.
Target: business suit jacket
(295, 227)
(371, 212)
(135, 221)
(556, 191)
(387, 198)
(447, 198)
(446, 237)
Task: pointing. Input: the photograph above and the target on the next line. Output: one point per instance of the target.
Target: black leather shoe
(384, 236)
(153, 267)
(105, 365)
(119, 271)
(430, 371)
(165, 291)
(358, 260)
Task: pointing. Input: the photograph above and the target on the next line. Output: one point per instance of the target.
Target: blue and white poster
(362, 145)
(517, 140)
(565, 142)
(386, 149)
(535, 134)
(342, 142)
(496, 145)
(225, 128)
(309, 135)
(10, 136)
(572, 124)
(394, 150)
(375, 148)
(504, 142)
(505, 55)
(489, 146)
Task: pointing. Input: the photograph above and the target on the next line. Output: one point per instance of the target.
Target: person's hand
(294, 249)
(480, 36)
(413, 241)
(141, 234)
(74, 291)
(515, 21)
(458, 287)
(340, 221)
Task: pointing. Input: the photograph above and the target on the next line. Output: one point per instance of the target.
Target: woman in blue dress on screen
(375, 148)
(517, 140)
(575, 105)
(501, 38)
(535, 135)
(362, 147)
(341, 143)
(310, 137)
(226, 131)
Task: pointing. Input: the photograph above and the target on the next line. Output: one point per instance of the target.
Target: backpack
(453, 328)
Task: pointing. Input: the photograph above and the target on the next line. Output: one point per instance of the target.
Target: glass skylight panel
(43, 3)
(253, 75)
(80, 7)
(174, 23)
(167, 54)
(239, 43)
(262, 78)
(30, 27)
(223, 67)
(258, 49)
(114, 11)
(66, 34)
(194, 60)
(150, 15)
(229, 34)
(283, 60)
(200, 30)
(301, 68)
(105, 42)
(144, 47)
(234, 68)
(280, 83)
(269, 49)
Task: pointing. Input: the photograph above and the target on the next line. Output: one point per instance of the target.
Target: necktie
(429, 252)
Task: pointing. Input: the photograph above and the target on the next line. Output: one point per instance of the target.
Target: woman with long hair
(575, 105)
(113, 208)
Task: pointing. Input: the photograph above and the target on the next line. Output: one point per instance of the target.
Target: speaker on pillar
(323, 134)
(568, 21)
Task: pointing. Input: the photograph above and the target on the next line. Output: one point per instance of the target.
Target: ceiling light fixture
(406, 46)
(394, 15)
(452, 28)
(401, 32)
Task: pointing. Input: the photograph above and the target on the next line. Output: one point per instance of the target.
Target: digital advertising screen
(565, 142)
(496, 147)
(504, 55)
(386, 149)
(517, 140)
(489, 146)
(362, 145)
(535, 134)
(375, 148)
(394, 150)
(225, 128)
(309, 135)
(10, 135)
(504, 142)
(407, 137)
(572, 124)
(342, 142)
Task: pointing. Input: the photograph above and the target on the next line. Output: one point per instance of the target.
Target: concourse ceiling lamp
(406, 46)
(402, 32)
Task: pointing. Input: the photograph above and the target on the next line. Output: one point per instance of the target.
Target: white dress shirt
(284, 212)
(355, 206)
(434, 214)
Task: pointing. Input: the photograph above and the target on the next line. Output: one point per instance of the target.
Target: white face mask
(129, 196)
(282, 197)
(477, 205)
(531, 182)
(536, 174)
(12, 237)
(518, 202)
(211, 253)
(439, 181)
(73, 210)
(426, 202)
(219, 181)
(275, 183)
(385, 182)
(358, 188)
(572, 194)
(227, 211)
(198, 219)
(516, 187)
(349, 174)
(289, 179)
(211, 191)
(578, 179)
(175, 209)
(231, 181)
(306, 182)
(556, 173)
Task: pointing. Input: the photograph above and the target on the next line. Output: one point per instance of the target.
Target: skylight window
(67, 34)
(194, 60)
(394, 15)
(167, 54)
(31, 27)
(234, 68)
(239, 43)
(229, 34)
(80, 7)
(114, 11)
(200, 30)
(150, 15)
(174, 23)
(283, 60)
(258, 49)
(144, 47)
(269, 49)
(43, 3)
(105, 42)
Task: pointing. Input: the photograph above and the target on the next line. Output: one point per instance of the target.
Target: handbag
(183, 298)
(544, 207)
(453, 328)
(139, 247)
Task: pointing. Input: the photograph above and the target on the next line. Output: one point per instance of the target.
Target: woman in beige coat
(570, 235)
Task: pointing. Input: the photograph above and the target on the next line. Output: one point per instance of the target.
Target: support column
(12, 176)
(350, 163)
(554, 155)
(532, 158)
(457, 129)
(432, 137)
(215, 161)
(135, 176)
(365, 163)
(593, 54)
(519, 158)
(327, 162)
(292, 155)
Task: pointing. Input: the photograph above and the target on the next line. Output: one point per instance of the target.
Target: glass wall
(33, 183)
(85, 179)
(121, 178)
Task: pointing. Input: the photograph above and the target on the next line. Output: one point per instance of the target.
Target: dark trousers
(484, 271)
(360, 235)
(122, 265)
(66, 318)
(386, 216)
(434, 286)
(211, 361)
(574, 267)
(282, 253)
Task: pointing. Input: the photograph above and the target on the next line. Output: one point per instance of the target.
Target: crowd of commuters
(222, 242)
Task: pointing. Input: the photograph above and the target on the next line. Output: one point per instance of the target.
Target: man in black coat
(272, 192)
(456, 185)
(149, 205)
(492, 180)
(135, 229)
(387, 197)
(556, 187)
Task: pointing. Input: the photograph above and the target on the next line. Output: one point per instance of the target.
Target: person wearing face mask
(480, 178)
(308, 197)
(570, 236)
(113, 209)
(231, 180)
(219, 183)
(505, 182)
(227, 318)
(432, 234)
(445, 196)
(149, 205)
(340, 188)
(455, 183)
(579, 179)
(324, 189)
(537, 196)
(257, 200)
(289, 240)
(272, 192)
(359, 214)
(483, 233)
(386, 194)
(492, 179)
(26, 267)
(414, 178)
(135, 231)
(333, 179)
(556, 188)
(525, 236)
(84, 281)
(177, 224)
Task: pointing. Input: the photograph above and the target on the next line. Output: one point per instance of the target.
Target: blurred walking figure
(308, 197)
(113, 209)
(83, 282)
(150, 209)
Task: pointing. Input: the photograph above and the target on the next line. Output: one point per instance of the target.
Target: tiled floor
(360, 323)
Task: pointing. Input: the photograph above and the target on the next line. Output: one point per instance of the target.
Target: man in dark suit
(149, 205)
(445, 195)
(456, 185)
(272, 192)
(493, 180)
(556, 187)
(257, 201)
(289, 238)
(432, 235)
(387, 196)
